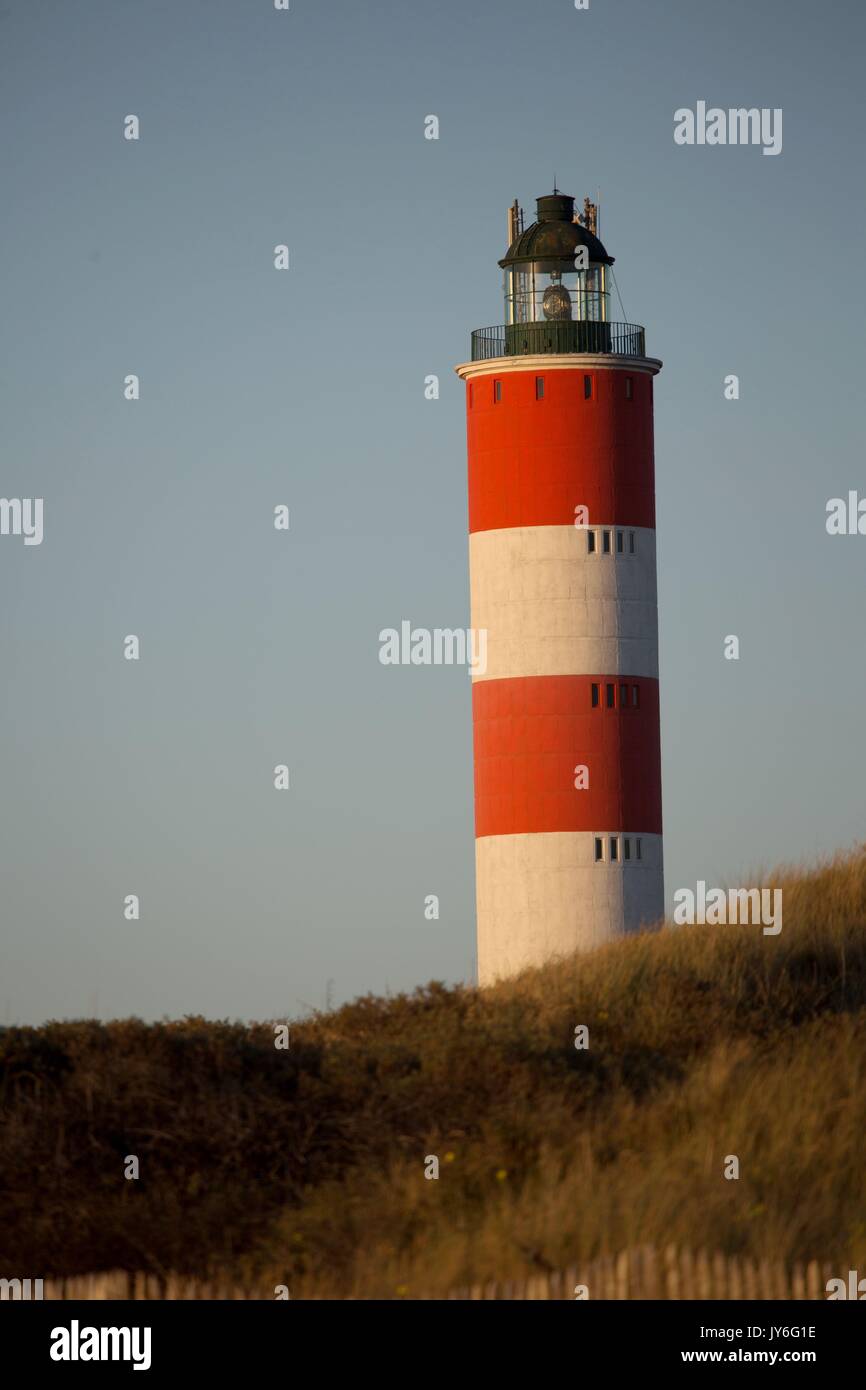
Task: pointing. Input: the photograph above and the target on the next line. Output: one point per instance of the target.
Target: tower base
(541, 896)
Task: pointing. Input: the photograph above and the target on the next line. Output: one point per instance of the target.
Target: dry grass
(307, 1167)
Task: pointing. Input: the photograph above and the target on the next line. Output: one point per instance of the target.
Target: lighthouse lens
(556, 303)
(544, 291)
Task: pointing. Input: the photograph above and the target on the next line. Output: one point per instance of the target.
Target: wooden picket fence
(643, 1273)
(672, 1273)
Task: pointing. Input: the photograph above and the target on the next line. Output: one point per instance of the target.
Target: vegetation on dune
(306, 1167)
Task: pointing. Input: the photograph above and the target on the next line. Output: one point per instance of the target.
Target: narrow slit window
(587, 388)
(594, 696)
(609, 696)
(497, 392)
(631, 542)
(637, 849)
(623, 696)
(635, 696)
(614, 850)
(628, 388)
(590, 542)
(626, 844)
(605, 542)
(599, 849)
(619, 542)
(539, 388)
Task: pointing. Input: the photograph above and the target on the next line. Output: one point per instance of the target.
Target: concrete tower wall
(571, 677)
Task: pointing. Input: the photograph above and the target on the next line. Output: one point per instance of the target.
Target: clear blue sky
(306, 387)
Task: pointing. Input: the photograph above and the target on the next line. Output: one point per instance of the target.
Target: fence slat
(640, 1272)
(672, 1272)
(703, 1276)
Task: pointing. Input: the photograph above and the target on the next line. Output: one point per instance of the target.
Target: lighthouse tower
(562, 554)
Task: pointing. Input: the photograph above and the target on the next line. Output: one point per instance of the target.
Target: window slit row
(625, 849)
(624, 544)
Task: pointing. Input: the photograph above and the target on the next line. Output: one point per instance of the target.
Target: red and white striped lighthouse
(562, 552)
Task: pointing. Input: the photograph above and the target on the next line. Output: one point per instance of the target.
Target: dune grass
(306, 1167)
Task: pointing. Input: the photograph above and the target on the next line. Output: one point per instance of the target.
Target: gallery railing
(569, 335)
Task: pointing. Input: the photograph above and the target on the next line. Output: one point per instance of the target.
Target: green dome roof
(555, 236)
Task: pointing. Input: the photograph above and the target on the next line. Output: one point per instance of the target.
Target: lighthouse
(562, 561)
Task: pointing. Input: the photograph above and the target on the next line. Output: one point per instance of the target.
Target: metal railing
(570, 335)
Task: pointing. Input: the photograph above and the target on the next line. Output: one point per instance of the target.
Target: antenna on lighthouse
(515, 221)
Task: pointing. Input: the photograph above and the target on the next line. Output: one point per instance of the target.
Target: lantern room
(557, 276)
